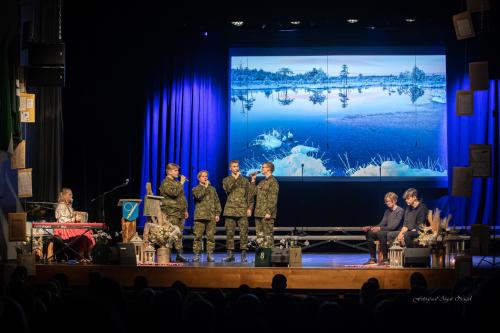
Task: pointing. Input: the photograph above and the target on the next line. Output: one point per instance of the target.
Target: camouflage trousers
(199, 228)
(180, 223)
(264, 232)
(230, 224)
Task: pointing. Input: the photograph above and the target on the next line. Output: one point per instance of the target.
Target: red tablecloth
(66, 234)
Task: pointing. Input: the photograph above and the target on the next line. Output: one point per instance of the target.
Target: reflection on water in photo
(339, 123)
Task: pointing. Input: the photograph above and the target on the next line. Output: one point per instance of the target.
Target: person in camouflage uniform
(206, 214)
(238, 207)
(174, 203)
(266, 205)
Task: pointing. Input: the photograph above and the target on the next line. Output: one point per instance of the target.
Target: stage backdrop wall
(121, 70)
(186, 123)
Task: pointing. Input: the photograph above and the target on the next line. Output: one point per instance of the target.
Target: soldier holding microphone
(237, 210)
(174, 203)
(266, 204)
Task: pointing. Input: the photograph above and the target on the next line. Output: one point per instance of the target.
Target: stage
(318, 272)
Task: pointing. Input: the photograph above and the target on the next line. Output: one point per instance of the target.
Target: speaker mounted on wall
(463, 25)
(462, 182)
(480, 160)
(44, 54)
(478, 75)
(46, 76)
(44, 64)
(465, 103)
(478, 6)
(17, 226)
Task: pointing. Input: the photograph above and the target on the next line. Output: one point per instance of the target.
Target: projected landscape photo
(339, 115)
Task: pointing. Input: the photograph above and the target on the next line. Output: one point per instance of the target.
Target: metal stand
(103, 195)
(493, 262)
(63, 245)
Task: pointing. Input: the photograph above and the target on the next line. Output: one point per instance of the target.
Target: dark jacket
(392, 219)
(416, 217)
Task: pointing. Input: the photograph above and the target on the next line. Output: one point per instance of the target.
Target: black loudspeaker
(44, 76)
(263, 257)
(480, 160)
(417, 257)
(43, 54)
(462, 182)
(479, 75)
(280, 257)
(127, 254)
(464, 27)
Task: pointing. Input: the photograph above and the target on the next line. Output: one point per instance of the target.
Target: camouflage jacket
(267, 197)
(239, 199)
(207, 204)
(174, 203)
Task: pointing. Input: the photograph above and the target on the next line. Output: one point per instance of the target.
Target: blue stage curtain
(476, 129)
(186, 119)
(186, 122)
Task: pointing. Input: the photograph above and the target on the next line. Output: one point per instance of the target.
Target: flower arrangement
(434, 234)
(164, 235)
(101, 253)
(24, 247)
(293, 241)
(101, 238)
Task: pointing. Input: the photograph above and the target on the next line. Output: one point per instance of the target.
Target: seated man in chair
(390, 224)
(415, 217)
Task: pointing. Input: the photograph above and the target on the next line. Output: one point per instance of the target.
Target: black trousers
(59, 249)
(409, 237)
(383, 237)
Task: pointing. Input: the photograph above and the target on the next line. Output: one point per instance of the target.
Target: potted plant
(164, 236)
(101, 252)
(434, 237)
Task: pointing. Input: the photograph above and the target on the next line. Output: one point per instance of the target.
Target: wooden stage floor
(318, 272)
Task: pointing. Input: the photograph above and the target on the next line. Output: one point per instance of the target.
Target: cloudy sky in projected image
(358, 64)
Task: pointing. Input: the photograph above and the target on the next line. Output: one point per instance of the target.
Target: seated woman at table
(65, 214)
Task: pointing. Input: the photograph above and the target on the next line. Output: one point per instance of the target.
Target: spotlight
(370, 27)
(352, 20)
(410, 20)
(295, 22)
(205, 33)
(263, 26)
(237, 23)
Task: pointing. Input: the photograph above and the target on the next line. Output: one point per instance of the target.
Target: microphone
(255, 173)
(187, 180)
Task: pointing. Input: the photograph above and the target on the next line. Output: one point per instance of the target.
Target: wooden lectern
(130, 212)
(152, 204)
(152, 209)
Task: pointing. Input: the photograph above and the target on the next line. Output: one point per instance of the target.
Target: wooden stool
(378, 251)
